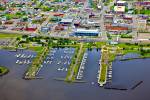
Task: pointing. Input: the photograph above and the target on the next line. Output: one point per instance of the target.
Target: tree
(18, 39)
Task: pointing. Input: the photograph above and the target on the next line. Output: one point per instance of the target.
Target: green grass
(7, 35)
(3, 70)
(126, 36)
(146, 12)
(37, 49)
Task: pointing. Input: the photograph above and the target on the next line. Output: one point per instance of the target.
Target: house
(58, 14)
(119, 9)
(45, 29)
(66, 21)
(128, 18)
(142, 24)
(30, 28)
(121, 3)
(77, 23)
(59, 27)
(142, 5)
(108, 18)
(117, 29)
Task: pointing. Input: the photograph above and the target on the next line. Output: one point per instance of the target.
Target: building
(90, 3)
(117, 29)
(45, 29)
(59, 27)
(119, 9)
(66, 21)
(30, 28)
(85, 32)
(142, 25)
(121, 3)
(142, 5)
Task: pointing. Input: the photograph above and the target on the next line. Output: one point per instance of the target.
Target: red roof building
(116, 28)
(58, 14)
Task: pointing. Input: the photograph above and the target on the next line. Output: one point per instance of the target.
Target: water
(60, 61)
(13, 87)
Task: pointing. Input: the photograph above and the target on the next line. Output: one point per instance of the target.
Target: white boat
(50, 62)
(25, 62)
(18, 55)
(28, 62)
(59, 62)
(32, 56)
(92, 83)
(44, 62)
(68, 63)
(58, 69)
(20, 62)
(22, 56)
(62, 69)
(17, 61)
(29, 56)
(66, 69)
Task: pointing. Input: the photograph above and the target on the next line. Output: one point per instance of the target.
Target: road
(87, 39)
(102, 13)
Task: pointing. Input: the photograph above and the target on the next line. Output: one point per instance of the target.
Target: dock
(108, 55)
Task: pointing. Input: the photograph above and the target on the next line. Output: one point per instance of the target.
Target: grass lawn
(6, 35)
(37, 49)
(3, 70)
(147, 12)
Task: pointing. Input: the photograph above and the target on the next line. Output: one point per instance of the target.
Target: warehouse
(85, 32)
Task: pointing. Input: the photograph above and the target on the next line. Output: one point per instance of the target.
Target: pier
(103, 67)
(36, 66)
(82, 66)
(108, 55)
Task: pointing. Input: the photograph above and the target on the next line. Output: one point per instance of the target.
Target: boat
(18, 55)
(25, 62)
(44, 62)
(92, 83)
(50, 62)
(22, 56)
(29, 56)
(20, 62)
(66, 69)
(28, 62)
(58, 69)
(59, 62)
(17, 61)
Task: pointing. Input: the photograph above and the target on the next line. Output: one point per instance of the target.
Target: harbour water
(125, 73)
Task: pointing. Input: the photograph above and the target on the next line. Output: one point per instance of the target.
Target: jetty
(108, 54)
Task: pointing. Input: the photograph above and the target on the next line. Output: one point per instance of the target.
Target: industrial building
(85, 32)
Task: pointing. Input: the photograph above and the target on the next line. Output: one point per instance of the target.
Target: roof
(116, 28)
(67, 20)
(145, 3)
(121, 1)
(142, 21)
(119, 8)
(86, 31)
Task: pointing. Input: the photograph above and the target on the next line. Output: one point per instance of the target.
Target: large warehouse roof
(86, 31)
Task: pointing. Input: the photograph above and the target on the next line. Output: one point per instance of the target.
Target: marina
(48, 72)
(82, 67)
(59, 66)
